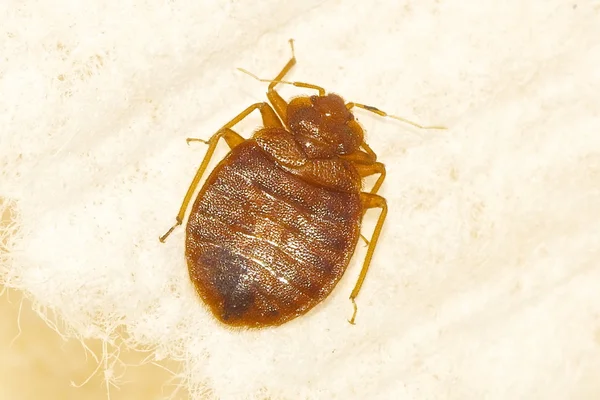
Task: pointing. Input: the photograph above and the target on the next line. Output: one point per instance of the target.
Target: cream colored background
(485, 283)
(37, 363)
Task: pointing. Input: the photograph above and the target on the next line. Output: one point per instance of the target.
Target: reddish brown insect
(274, 226)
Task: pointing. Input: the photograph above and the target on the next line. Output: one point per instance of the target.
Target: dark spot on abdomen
(228, 273)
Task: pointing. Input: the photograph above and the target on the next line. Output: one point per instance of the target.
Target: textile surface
(485, 280)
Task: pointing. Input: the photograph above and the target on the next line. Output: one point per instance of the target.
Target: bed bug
(274, 226)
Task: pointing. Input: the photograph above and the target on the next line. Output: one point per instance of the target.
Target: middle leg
(365, 170)
(270, 120)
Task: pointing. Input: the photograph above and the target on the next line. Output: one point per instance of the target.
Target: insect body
(274, 226)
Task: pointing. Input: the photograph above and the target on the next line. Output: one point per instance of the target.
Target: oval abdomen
(262, 245)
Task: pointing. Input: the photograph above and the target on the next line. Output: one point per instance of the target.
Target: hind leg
(369, 201)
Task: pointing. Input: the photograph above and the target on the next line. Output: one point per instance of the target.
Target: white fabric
(485, 282)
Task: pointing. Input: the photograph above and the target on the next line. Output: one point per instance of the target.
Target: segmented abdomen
(264, 246)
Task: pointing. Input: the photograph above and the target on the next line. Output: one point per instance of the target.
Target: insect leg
(369, 201)
(369, 151)
(359, 157)
(365, 170)
(275, 98)
(232, 139)
(366, 166)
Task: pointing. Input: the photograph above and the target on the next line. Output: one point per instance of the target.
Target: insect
(274, 226)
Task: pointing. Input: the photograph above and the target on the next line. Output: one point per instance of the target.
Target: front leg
(279, 104)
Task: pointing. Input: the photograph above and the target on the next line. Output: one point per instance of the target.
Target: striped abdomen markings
(262, 244)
